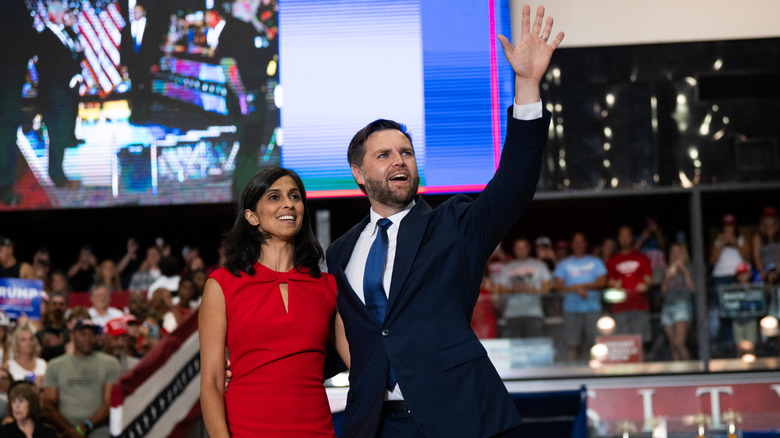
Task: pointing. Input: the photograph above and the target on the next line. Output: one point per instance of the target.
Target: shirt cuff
(531, 111)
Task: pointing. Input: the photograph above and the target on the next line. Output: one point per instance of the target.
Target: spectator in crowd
(581, 277)
(609, 247)
(24, 408)
(630, 271)
(133, 335)
(101, 311)
(744, 328)
(77, 387)
(59, 282)
(163, 247)
(727, 251)
(162, 308)
(766, 241)
(129, 263)
(10, 267)
(525, 279)
(544, 251)
(137, 305)
(108, 274)
(495, 264)
(199, 278)
(76, 314)
(54, 335)
(6, 379)
(220, 260)
(169, 276)
(192, 260)
(6, 352)
(81, 275)
(116, 342)
(483, 320)
(42, 267)
(27, 363)
(677, 311)
(148, 272)
(188, 297)
(652, 243)
(149, 334)
(562, 250)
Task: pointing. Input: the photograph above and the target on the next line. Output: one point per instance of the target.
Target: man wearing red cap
(116, 342)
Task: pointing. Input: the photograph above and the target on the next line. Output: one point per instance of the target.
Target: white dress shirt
(357, 261)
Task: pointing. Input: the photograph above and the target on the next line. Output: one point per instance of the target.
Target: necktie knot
(384, 224)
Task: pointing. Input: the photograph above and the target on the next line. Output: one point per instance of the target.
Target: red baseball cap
(116, 327)
(769, 211)
(742, 268)
(728, 219)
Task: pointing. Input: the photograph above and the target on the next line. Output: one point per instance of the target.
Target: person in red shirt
(630, 270)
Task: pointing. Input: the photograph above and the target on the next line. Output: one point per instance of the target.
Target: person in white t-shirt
(27, 363)
(101, 311)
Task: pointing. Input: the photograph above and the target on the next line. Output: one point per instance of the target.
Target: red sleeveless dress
(277, 357)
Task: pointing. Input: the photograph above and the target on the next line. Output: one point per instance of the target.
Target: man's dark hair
(357, 146)
(243, 243)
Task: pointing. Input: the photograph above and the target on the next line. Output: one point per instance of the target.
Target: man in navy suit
(417, 368)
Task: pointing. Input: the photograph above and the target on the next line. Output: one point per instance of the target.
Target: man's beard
(380, 191)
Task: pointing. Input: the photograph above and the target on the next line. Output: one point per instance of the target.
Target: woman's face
(675, 254)
(20, 408)
(58, 282)
(280, 210)
(25, 347)
(5, 382)
(107, 270)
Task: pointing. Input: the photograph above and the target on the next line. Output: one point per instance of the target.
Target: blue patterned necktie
(373, 291)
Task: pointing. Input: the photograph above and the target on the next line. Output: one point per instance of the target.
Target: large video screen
(157, 102)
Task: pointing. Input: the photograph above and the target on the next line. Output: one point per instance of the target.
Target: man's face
(101, 298)
(118, 346)
(579, 245)
(83, 340)
(138, 12)
(6, 252)
(389, 170)
(625, 238)
(521, 249)
(57, 306)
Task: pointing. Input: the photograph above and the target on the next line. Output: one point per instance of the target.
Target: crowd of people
(642, 279)
(72, 354)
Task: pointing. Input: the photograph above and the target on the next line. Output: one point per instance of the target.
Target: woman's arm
(340, 339)
(212, 327)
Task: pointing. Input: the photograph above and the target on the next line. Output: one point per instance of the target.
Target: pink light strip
(494, 86)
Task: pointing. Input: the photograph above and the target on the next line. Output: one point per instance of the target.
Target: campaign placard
(19, 297)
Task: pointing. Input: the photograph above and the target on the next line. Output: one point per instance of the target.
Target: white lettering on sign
(714, 392)
(16, 292)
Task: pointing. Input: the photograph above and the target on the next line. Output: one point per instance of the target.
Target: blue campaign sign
(21, 296)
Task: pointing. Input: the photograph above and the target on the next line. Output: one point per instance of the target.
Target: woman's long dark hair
(243, 243)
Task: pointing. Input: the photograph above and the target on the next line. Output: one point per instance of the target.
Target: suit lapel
(350, 239)
(410, 236)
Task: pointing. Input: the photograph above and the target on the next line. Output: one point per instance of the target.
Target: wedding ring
(544, 38)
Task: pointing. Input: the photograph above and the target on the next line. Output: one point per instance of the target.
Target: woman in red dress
(275, 312)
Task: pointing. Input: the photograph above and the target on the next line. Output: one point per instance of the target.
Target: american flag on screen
(99, 29)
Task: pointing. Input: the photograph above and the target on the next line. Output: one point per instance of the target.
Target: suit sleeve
(508, 193)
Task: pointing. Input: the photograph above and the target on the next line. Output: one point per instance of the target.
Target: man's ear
(250, 217)
(358, 175)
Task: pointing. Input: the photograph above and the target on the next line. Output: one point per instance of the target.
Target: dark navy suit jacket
(449, 384)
